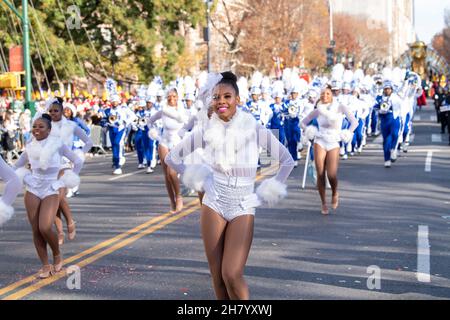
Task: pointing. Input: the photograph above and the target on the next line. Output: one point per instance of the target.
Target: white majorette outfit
(329, 118)
(173, 120)
(45, 158)
(226, 163)
(12, 188)
(66, 130)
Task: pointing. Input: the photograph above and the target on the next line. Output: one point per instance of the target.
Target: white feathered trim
(346, 136)
(154, 134)
(44, 151)
(311, 132)
(271, 191)
(195, 175)
(70, 179)
(22, 172)
(80, 154)
(6, 212)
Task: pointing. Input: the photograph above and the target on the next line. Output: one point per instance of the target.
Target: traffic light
(11, 80)
(330, 57)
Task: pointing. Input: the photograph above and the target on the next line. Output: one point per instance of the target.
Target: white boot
(387, 164)
(117, 171)
(394, 155)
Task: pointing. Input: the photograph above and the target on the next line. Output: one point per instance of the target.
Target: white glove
(251, 201)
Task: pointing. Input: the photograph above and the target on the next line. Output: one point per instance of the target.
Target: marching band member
(229, 144)
(253, 106)
(276, 119)
(173, 117)
(388, 107)
(45, 155)
(116, 120)
(329, 114)
(66, 130)
(292, 123)
(12, 189)
(143, 143)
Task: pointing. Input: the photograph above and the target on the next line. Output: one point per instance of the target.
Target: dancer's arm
(310, 117)
(12, 183)
(79, 132)
(154, 118)
(175, 158)
(69, 154)
(22, 161)
(268, 141)
(353, 122)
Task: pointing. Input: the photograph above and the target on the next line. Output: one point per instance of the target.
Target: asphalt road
(129, 247)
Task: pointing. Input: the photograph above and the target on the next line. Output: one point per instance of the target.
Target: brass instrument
(112, 118)
(384, 107)
(293, 111)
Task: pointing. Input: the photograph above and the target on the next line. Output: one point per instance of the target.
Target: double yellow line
(104, 248)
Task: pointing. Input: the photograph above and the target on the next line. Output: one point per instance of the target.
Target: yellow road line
(95, 248)
(34, 287)
(171, 218)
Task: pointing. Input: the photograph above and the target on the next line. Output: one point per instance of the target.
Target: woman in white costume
(44, 154)
(228, 144)
(173, 117)
(12, 188)
(66, 130)
(329, 114)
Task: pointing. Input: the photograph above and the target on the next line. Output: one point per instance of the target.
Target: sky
(430, 18)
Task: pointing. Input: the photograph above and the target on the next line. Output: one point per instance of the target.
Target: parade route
(389, 239)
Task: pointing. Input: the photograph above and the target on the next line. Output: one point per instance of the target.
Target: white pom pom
(6, 212)
(153, 134)
(195, 175)
(22, 172)
(346, 136)
(271, 191)
(70, 179)
(311, 132)
(80, 154)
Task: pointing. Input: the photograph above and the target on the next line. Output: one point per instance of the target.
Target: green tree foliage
(132, 39)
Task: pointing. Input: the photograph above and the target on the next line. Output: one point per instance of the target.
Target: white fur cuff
(346, 136)
(22, 173)
(195, 175)
(271, 191)
(153, 134)
(311, 132)
(70, 179)
(6, 212)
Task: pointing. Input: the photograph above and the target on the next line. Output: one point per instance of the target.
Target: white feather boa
(43, 151)
(224, 139)
(271, 191)
(311, 132)
(70, 179)
(6, 212)
(195, 175)
(22, 173)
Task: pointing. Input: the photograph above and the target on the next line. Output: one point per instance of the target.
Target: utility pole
(26, 50)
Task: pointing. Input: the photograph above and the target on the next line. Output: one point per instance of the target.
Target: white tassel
(70, 179)
(346, 136)
(311, 132)
(195, 175)
(271, 191)
(6, 212)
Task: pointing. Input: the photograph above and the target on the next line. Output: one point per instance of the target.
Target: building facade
(396, 15)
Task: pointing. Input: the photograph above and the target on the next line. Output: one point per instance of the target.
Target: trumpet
(140, 121)
(112, 118)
